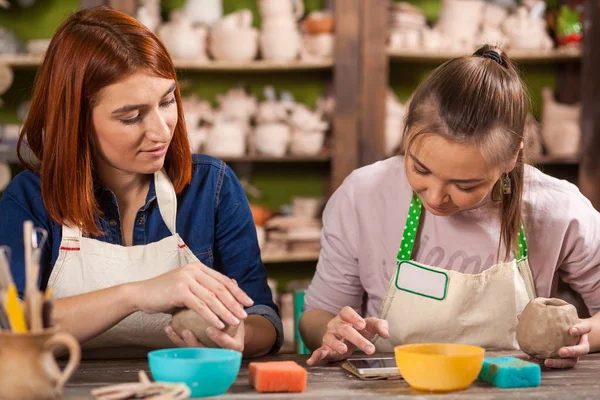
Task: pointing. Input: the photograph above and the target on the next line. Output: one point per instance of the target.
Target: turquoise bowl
(207, 372)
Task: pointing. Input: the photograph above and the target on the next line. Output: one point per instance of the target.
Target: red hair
(92, 49)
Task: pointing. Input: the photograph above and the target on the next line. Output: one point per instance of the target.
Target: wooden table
(329, 381)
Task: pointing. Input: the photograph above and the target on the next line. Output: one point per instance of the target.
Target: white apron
(85, 265)
(430, 304)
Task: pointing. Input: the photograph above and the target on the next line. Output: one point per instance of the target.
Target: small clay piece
(188, 319)
(544, 327)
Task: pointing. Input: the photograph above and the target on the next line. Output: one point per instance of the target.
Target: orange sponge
(277, 376)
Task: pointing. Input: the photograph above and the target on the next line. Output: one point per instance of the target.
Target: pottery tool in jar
(34, 299)
(12, 314)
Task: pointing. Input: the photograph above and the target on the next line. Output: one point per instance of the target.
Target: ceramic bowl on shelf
(319, 45)
(280, 46)
(307, 143)
(439, 367)
(318, 22)
(234, 45)
(272, 139)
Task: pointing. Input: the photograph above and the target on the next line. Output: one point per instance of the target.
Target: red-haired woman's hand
(222, 339)
(215, 297)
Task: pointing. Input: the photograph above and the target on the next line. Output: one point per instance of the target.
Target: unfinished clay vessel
(188, 319)
(544, 327)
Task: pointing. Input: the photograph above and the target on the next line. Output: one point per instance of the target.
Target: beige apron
(85, 265)
(430, 304)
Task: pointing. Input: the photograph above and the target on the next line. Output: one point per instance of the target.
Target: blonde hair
(478, 99)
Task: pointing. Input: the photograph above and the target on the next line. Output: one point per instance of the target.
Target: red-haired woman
(137, 225)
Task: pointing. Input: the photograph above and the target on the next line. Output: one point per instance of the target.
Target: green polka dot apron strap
(426, 303)
(411, 228)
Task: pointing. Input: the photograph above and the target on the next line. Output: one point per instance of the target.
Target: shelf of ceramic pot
(289, 257)
(556, 160)
(563, 54)
(257, 65)
(28, 60)
(321, 158)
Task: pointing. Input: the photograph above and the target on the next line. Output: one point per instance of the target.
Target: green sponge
(510, 372)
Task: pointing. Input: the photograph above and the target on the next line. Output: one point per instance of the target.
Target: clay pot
(234, 45)
(307, 143)
(188, 319)
(272, 139)
(182, 38)
(309, 207)
(279, 24)
(28, 370)
(561, 129)
(227, 139)
(280, 46)
(544, 327)
(6, 78)
(260, 214)
(277, 8)
(320, 45)
(318, 22)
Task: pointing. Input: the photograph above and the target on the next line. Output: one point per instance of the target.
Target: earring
(505, 184)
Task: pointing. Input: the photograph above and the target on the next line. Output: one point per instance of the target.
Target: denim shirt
(213, 219)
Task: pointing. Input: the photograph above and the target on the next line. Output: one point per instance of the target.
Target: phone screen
(370, 363)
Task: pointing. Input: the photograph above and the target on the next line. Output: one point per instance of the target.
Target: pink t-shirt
(364, 219)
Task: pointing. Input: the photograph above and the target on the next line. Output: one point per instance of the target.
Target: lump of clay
(544, 327)
(188, 319)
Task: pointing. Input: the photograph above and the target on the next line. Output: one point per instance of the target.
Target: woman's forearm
(260, 336)
(313, 325)
(87, 315)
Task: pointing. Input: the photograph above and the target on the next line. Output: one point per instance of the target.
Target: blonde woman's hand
(345, 332)
(215, 297)
(221, 339)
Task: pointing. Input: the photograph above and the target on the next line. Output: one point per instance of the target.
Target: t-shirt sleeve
(579, 259)
(336, 283)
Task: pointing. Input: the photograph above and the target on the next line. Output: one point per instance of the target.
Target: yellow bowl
(439, 367)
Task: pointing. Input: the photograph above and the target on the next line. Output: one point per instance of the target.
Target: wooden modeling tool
(9, 296)
(34, 299)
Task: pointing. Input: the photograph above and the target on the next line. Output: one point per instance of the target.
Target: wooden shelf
(289, 257)
(270, 159)
(28, 60)
(554, 160)
(564, 54)
(258, 65)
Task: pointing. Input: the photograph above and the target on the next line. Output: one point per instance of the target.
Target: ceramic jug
(28, 369)
(281, 8)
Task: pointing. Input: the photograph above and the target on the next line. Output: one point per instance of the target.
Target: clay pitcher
(28, 369)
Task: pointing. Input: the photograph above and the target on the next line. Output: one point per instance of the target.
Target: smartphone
(374, 366)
